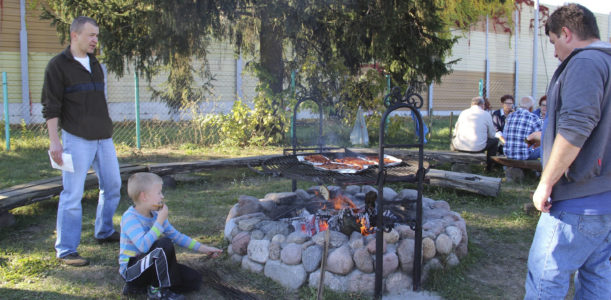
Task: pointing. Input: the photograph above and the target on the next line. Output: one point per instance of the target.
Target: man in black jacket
(73, 99)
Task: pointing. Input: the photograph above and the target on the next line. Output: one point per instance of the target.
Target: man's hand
(541, 198)
(534, 139)
(210, 251)
(55, 148)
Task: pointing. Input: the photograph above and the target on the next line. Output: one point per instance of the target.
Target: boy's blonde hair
(141, 182)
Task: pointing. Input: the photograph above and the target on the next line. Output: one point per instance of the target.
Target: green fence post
(137, 101)
(7, 127)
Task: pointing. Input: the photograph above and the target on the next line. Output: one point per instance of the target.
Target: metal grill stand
(289, 167)
(395, 101)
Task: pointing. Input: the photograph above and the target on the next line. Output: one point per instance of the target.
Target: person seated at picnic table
(542, 110)
(474, 132)
(518, 126)
(498, 118)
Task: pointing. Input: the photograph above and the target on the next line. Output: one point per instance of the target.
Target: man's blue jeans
(86, 153)
(534, 154)
(565, 243)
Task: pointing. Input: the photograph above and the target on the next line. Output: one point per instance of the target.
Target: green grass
(499, 231)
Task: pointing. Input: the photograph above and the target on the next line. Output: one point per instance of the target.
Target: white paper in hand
(66, 165)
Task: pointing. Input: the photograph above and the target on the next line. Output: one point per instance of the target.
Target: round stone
(428, 248)
(371, 246)
(291, 254)
(258, 250)
(391, 237)
(240, 242)
(390, 263)
(297, 237)
(356, 240)
(443, 244)
(455, 234)
(363, 260)
(274, 251)
(405, 251)
(311, 258)
(340, 261)
(279, 238)
(452, 260)
(257, 234)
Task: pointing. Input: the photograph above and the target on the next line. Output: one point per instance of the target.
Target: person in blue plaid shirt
(518, 125)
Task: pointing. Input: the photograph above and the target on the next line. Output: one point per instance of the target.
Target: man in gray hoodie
(574, 192)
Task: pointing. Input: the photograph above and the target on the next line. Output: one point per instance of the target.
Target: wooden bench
(515, 168)
(522, 164)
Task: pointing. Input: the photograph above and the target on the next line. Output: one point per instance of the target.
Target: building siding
(452, 93)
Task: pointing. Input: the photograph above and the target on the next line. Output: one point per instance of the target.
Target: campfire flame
(365, 228)
(341, 201)
(323, 225)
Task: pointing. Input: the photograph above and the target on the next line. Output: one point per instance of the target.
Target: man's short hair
(580, 20)
(505, 97)
(141, 182)
(79, 22)
(477, 101)
(527, 102)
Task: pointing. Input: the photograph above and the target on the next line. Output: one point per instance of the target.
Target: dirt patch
(501, 270)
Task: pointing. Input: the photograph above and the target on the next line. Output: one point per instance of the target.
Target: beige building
(24, 55)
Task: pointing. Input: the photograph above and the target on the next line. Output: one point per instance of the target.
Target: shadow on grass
(25, 294)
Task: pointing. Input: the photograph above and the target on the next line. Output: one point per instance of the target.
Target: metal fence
(143, 123)
(137, 121)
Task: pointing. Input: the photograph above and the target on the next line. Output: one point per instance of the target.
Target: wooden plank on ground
(522, 164)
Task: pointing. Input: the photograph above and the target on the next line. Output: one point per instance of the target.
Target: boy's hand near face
(162, 214)
(210, 251)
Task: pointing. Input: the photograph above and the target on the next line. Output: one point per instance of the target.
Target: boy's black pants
(159, 268)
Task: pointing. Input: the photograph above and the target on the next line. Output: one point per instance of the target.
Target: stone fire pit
(264, 243)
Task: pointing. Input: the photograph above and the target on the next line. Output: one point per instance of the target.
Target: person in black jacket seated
(498, 118)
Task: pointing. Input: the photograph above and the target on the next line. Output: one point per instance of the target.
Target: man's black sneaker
(130, 289)
(113, 238)
(73, 259)
(162, 293)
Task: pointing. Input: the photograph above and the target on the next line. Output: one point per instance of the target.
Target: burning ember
(344, 216)
(340, 201)
(366, 229)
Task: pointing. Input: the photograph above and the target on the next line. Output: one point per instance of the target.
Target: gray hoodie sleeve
(581, 99)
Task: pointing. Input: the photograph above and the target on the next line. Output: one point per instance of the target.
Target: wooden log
(522, 164)
(191, 166)
(483, 185)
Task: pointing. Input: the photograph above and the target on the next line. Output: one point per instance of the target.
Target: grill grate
(289, 166)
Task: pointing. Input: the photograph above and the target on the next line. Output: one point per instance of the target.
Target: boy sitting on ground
(147, 260)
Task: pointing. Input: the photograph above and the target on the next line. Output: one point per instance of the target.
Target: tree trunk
(271, 51)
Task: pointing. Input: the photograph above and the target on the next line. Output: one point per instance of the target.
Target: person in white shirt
(474, 132)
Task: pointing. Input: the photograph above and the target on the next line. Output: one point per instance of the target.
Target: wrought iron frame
(393, 101)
